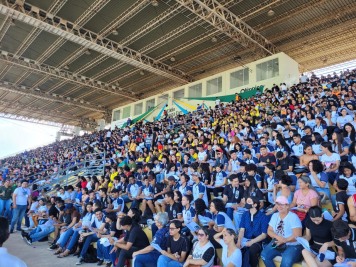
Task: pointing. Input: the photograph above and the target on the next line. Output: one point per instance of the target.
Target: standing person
(5, 199)
(21, 199)
(283, 228)
(6, 259)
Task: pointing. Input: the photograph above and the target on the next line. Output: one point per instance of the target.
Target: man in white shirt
(21, 198)
(6, 259)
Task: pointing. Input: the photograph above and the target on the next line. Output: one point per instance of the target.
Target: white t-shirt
(328, 160)
(343, 120)
(22, 195)
(235, 258)
(298, 150)
(201, 155)
(6, 259)
(285, 229)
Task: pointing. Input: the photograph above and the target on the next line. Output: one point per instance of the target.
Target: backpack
(90, 256)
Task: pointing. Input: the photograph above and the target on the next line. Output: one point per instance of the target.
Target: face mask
(248, 206)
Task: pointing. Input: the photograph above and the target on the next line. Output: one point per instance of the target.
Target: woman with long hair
(304, 198)
(319, 179)
(307, 156)
(339, 145)
(349, 133)
(331, 161)
(281, 145)
(231, 255)
(317, 139)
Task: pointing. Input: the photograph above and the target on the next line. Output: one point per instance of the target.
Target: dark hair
(170, 194)
(179, 194)
(270, 166)
(251, 167)
(177, 224)
(219, 204)
(233, 233)
(286, 179)
(317, 165)
(233, 177)
(98, 209)
(340, 229)
(85, 208)
(318, 138)
(103, 189)
(327, 145)
(315, 211)
(200, 206)
(126, 220)
(137, 214)
(189, 198)
(342, 184)
(4, 230)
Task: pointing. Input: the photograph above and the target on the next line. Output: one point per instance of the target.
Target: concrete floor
(38, 255)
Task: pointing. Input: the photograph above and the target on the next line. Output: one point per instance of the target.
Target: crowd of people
(272, 175)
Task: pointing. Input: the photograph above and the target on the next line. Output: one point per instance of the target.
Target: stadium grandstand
(200, 133)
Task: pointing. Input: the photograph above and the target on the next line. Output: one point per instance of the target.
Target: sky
(17, 136)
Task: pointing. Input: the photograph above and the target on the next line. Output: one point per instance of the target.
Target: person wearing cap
(21, 199)
(283, 228)
(345, 241)
(199, 188)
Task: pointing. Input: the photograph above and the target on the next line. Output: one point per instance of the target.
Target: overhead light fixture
(115, 32)
(142, 72)
(172, 59)
(270, 13)
(154, 2)
(214, 40)
(87, 52)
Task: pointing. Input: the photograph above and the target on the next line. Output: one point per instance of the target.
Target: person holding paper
(318, 229)
(345, 241)
(148, 256)
(177, 247)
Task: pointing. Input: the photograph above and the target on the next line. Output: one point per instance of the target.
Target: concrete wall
(288, 73)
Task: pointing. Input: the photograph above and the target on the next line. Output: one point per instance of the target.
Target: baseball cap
(282, 200)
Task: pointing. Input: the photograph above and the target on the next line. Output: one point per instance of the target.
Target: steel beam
(29, 119)
(227, 22)
(41, 19)
(23, 90)
(61, 74)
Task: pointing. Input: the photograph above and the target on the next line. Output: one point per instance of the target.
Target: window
(214, 86)
(138, 109)
(267, 70)
(196, 90)
(126, 112)
(178, 94)
(150, 104)
(239, 78)
(117, 114)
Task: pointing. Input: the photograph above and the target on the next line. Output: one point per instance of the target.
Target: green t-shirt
(5, 193)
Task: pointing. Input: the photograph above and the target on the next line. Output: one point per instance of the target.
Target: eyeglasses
(200, 234)
(171, 229)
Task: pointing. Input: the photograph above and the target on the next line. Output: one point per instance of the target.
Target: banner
(181, 109)
(161, 112)
(244, 94)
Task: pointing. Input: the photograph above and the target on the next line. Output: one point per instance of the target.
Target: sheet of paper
(193, 226)
(328, 216)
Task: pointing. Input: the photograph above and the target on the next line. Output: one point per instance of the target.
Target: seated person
(283, 228)
(148, 256)
(233, 196)
(252, 232)
(231, 255)
(135, 239)
(345, 241)
(318, 231)
(203, 252)
(177, 247)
